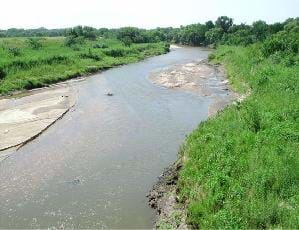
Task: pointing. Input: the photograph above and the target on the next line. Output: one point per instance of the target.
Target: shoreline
(8, 101)
(23, 119)
(170, 212)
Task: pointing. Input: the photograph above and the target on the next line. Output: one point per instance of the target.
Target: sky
(139, 13)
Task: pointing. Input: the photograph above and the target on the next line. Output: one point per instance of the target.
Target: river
(94, 167)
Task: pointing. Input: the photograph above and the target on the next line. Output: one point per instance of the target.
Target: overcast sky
(139, 13)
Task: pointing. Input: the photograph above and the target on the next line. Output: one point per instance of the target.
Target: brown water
(93, 168)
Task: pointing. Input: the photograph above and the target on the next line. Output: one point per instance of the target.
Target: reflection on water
(93, 168)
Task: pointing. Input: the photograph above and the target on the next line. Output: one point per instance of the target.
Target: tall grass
(25, 65)
(242, 166)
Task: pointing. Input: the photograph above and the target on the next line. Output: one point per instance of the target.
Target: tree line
(222, 31)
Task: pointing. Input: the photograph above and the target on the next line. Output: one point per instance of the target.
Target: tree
(260, 30)
(214, 35)
(132, 34)
(79, 31)
(224, 23)
(193, 34)
(209, 25)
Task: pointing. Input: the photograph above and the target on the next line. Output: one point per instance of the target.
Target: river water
(93, 168)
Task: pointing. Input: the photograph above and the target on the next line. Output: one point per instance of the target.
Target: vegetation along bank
(28, 63)
(240, 168)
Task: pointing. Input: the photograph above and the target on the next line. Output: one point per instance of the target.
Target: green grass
(242, 166)
(22, 67)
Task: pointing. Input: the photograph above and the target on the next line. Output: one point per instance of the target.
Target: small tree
(260, 30)
(224, 23)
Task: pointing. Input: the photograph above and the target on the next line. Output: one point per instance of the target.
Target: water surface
(93, 168)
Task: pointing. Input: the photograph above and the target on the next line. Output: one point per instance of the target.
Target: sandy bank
(200, 78)
(24, 118)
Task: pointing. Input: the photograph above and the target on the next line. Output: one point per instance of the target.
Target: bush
(282, 41)
(14, 51)
(118, 52)
(86, 32)
(100, 46)
(34, 43)
(90, 55)
(72, 41)
(2, 74)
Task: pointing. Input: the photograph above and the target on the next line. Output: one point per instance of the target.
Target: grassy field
(242, 166)
(25, 66)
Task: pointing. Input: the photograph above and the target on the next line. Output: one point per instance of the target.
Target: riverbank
(206, 80)
(24, 117)
(26, 113)
(23, 67)
(93, 168)
(239, 169)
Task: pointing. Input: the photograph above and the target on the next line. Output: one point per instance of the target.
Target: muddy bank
(25, 116)
(163, 197)
(206, 80)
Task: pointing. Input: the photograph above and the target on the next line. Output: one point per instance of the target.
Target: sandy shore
(200, 78)
(24, 117)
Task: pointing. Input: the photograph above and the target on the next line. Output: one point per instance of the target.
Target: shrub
(90, 55)
(31, 84)
(166, 47)
(34, 43)
(79, 31)
(117, 52)
(72, 41)
(14, 51)
(100, 46)
(214, 35)
(281, 42)
(2, 74)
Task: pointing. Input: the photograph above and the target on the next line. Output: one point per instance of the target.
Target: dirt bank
(202, 79)
(25, 116)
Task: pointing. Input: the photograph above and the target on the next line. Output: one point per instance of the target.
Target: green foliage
(2, 74)
(260, 30)
(72, 41)
(82, 31)
(214, 35)
(76, 36)
(115, 52)
(242, 166)
(222, 31)
(283, 41)
(90, 55)
(129, 35)
(34, 43)
(40, 32)
(55, 62)
(14, 51)
(193, 34)
(100, 46)
(224, 23)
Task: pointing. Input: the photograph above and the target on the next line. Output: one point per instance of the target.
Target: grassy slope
(56, 62)
(242, 166)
